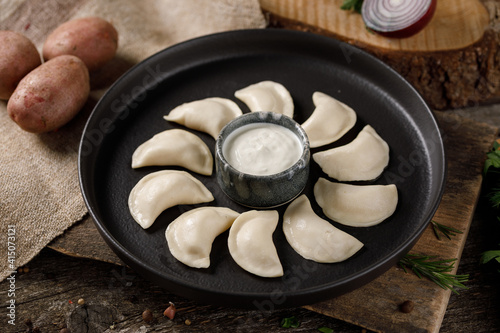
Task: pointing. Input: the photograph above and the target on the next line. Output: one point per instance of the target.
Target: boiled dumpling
(315, 238)
(330, 120)
(164, 189)
(207, 115)
(190, 236)
(364, 158)
(251, 244)
(175, 147)
(356, 205)
(267, 96)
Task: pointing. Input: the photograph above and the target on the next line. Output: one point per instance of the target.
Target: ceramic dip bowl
(249, 188)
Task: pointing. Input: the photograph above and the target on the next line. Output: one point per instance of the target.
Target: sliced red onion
(397, 18)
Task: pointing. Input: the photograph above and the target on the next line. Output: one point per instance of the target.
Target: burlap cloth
(39, 190)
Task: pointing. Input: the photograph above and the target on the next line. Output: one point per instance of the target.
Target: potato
(18, 56)
(91, 39)
(50, 95)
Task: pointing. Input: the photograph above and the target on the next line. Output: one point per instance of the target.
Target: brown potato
(50, 95)
(91, 39)
(18, 56)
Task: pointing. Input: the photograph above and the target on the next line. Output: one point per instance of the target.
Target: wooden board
(456, 24)
(375, 306)
(449, 72)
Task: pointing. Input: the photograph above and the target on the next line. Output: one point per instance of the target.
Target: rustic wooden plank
(47, 296)
(466, 141)
(453, 78)
(83, 240)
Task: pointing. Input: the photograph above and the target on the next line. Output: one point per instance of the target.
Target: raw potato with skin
(18, 57)
(50, 95)
(91, 39)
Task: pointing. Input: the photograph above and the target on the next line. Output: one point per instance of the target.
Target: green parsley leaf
(290, 322)
(490, 255)
(352, 5)
(325, 330)
(493, 158)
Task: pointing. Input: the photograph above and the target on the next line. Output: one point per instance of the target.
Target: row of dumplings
(190, 236)
(250, 239)
(363, 159)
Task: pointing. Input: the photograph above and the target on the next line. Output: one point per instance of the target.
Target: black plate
(216, 66)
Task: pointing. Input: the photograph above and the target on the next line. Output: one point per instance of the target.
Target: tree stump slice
(454, 62)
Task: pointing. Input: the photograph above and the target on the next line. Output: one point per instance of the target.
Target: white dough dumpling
(175, 147)
(356, 205)
(330, 120)
(267, 96)
(251, 243)
(190, 236)
(364, 158)
(207, 115)
(315, 238)
(161, 190)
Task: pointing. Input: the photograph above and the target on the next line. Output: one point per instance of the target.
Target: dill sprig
(443, 229)
(435, 270)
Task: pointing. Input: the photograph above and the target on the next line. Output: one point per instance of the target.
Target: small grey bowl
(262, 191)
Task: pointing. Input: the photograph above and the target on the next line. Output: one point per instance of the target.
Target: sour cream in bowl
(262, 159)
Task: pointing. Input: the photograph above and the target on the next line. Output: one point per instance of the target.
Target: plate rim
(369, 273)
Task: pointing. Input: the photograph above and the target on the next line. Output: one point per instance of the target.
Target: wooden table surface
(49, 287)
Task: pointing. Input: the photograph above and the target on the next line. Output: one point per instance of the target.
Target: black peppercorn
(406, 306)
(147, 316)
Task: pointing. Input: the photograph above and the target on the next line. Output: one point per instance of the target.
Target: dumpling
(175, 147)
(315, 238)
(207, 115)
(161, 190)
(251, 244)
(364, 158)
(330, 120)
(356, 205)
(267, 96)
(190, 236)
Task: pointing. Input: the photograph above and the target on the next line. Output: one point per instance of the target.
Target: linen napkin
(39, 189)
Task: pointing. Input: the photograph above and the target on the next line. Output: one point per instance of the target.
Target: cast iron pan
(132, 111)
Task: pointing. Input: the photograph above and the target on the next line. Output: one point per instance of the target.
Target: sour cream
(262, 149)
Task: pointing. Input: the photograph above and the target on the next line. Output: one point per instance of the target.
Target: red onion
(397, 18)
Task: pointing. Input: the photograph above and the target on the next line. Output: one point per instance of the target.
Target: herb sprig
(435, 270)
(290, 322)
(490, 255)
(493, 159)
(492, 173)
(439, 228)
(352, 5)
